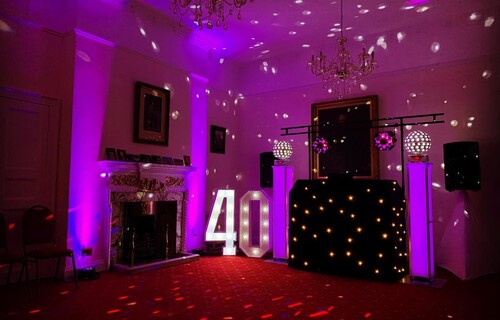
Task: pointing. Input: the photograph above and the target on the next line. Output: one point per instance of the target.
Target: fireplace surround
(146, 210)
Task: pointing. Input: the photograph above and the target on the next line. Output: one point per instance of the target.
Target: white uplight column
(282, 184)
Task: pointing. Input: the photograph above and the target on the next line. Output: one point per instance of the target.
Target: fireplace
(149, 232)
(147, 215)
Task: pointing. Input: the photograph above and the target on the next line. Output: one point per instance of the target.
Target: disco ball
(417, 142)
(282, 150)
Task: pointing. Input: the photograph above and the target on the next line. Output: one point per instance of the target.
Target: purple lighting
(195, 220)
(420, 221)
(90, 97)
(282, 184)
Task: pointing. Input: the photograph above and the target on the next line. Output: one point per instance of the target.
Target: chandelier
(340, 73)
(212, 12)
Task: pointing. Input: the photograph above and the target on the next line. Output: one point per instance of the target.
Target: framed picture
(121, 155)
(346, 126)
(111, 154)
(133, 157)
(178, 162)
(187, 160)
(167, 160)
(151, 116)
(145, 158)
(217, 139)
(155, 159)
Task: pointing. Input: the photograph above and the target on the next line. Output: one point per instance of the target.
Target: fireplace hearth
(149, 232)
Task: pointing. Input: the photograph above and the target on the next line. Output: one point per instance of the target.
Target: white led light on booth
(245, 224)
(229, 235)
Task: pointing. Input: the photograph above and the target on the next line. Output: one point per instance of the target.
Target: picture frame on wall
(155, 159)
(167, 160)
(178, 162)
(145, 158)
(121, 155)
(346, 125)
(133, 157)
(151, 114)
(111, 154)
(217, 139)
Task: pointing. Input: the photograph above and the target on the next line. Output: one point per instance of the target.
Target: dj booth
(348, 227)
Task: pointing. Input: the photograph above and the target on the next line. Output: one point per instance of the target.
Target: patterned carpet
(232, 287)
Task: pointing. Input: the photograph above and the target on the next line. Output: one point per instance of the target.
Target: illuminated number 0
(263, 247)
(229, 235)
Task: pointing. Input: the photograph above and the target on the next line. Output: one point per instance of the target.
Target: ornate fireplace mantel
(135, 176)
(138, 182)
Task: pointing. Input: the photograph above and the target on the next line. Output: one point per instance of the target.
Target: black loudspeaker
(461, 166)
(266, 169)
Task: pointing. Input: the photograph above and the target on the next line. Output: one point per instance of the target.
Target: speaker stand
(282, 184)
(421, 246)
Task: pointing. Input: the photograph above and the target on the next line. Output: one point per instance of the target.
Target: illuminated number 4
(229, 235)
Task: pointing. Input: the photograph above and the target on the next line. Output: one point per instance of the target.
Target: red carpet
(246, 288)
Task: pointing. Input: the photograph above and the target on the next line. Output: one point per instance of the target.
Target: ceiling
(271, 28)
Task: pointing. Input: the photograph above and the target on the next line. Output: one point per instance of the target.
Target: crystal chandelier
(213, 12)
(340, 73)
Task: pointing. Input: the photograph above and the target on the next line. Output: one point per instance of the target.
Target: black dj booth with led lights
(348, 227)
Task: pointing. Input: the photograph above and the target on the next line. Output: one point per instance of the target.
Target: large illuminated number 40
(229, 235)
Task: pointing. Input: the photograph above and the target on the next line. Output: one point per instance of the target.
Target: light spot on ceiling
(488, 22)
(435, 47)
(155, 46)
(422, 9)
(381, 42)
(401, 36)
(474, 16)
(486, 74)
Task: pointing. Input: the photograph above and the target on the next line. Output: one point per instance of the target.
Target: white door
(29, 128)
